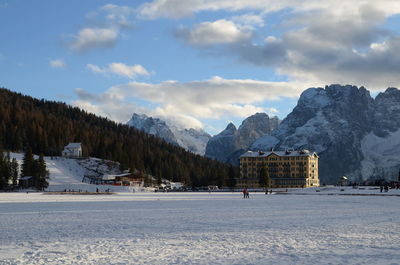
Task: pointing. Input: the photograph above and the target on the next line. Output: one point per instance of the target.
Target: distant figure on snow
(245, 193)
(386, 187)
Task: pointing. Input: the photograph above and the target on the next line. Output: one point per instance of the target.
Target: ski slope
(68, 173)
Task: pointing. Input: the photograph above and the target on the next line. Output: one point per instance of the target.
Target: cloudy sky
(197, 63)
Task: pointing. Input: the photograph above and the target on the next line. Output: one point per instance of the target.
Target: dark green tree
(159, 180)
(4, 171)
(231, 178)
(28, 163)
(14, 171)
(48, 126)
(41, 174)
(263, 178)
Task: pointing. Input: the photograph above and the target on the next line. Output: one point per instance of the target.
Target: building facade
(72, 150)
(284, 169)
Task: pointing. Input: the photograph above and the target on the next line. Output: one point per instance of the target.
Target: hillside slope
(67, 173)
(48, 126)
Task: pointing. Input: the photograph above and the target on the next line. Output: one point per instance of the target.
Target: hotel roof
(287, 153)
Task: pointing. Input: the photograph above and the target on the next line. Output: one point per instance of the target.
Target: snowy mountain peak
(152, 126)
(225, 145)
(193, 140)
(354, 134)
(391, 90)
(347, 92)
(314, 98)
(254, 120)
(230, 129)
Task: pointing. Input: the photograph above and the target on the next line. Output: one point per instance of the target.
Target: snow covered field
(198, 228)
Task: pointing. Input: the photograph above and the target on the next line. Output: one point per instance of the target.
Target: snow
(382, 151)
(265, 143)
(193, 140)
(73, 145)
(300, 138)
(199, 228)
(346, 191)
(138, 120)
(315, 98)
(68, 173)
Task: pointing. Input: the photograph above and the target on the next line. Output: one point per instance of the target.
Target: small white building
(72, 150)
(176, 185)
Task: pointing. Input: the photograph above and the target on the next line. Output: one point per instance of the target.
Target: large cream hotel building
(285, 169)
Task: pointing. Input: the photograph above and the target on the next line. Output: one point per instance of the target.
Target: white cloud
(89, 38)
(319, 42)
(218, 32)
(177, 119)
(178, 8)
(316, 43)
(272, 111)
(95, 69)
(106, 105)
(168, 8)
(192, 101)
(250, 20)
(118, 14)
(103, 28)
(120, 69)
(57, 63)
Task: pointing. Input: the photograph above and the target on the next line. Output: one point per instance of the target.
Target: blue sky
(195, 63)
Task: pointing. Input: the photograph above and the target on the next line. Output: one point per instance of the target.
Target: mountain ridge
(193, 140)
(351, 131)
(232, 139)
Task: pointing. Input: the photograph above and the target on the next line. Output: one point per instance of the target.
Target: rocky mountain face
(232, 142)
(330, 121)
(193, 140)
(152, 126)
(354, 134)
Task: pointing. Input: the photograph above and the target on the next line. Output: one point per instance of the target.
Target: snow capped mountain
(387, 112)
(354, 134)
(225, 145)
(153, 126)
(193, 140)
(330, 121)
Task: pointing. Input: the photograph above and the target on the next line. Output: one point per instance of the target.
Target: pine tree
(4, 171)
(27, 168)
(41, 174)
(231, 178)
(47, 126)
(159, 180)
(14, 171)
(263, 179)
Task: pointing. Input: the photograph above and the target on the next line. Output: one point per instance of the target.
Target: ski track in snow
(198, 228)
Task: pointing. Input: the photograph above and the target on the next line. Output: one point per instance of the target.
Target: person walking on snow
(244, 193)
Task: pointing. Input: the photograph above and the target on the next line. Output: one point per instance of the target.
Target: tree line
(46, 127)
(35, 171)
(8, 171)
